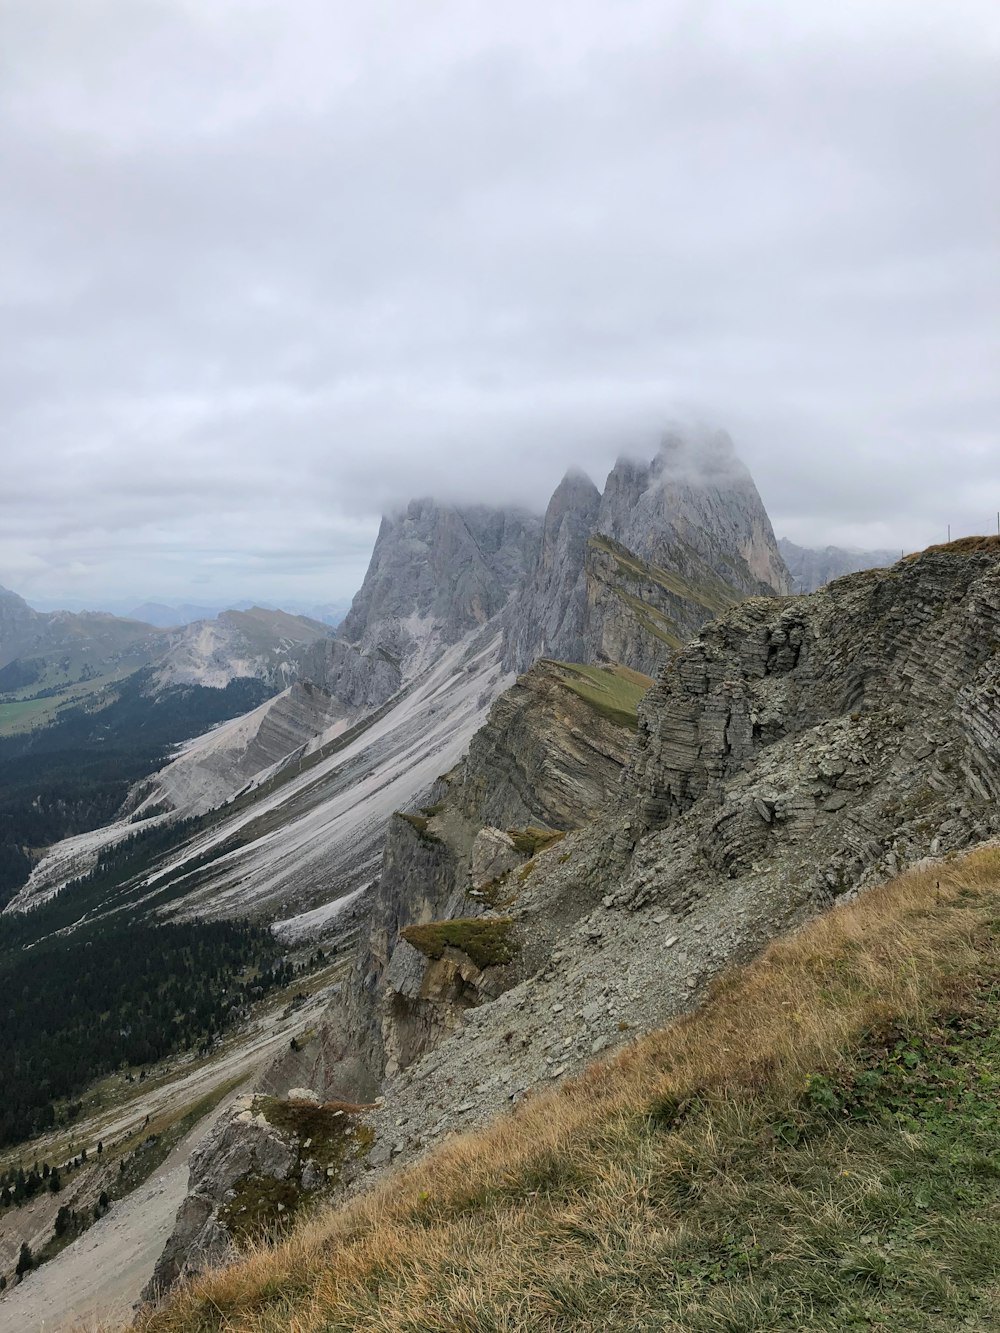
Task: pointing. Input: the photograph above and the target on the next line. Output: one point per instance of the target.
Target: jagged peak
(575, 479)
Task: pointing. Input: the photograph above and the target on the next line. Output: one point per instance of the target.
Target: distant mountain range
(811, 568)
(46, 656)
(169, 615)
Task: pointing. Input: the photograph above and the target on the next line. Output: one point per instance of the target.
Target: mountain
(799, 751)
(91, 703)
(455, 601)
(171, 615)
(630, 574)
(436, 573)
(811, 567)
(66, 654)
(46, 648)
(259, 643)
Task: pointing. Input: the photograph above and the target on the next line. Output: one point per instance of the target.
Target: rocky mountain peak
(436, 572)
(550, 612)
(697, 494)
(631, 573)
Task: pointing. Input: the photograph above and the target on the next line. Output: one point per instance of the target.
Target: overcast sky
(267, 268)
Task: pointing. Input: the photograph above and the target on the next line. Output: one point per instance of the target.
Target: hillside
(814, 1148)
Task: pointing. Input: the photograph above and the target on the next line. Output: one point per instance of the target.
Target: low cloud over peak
(267, 271)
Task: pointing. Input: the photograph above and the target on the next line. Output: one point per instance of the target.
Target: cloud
(266, 270)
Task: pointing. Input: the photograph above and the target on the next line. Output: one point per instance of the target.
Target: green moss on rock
(328, 1135)
(531, 840)
(420, 825)
(260, 1206)
(488, 941)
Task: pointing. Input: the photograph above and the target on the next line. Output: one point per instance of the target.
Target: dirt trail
(102, 1273)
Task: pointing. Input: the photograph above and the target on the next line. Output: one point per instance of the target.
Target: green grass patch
(488, 941)
(611, 691)
(421, 827)
(532, 840)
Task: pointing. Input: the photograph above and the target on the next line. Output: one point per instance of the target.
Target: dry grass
(962, 546)
(679, 1186)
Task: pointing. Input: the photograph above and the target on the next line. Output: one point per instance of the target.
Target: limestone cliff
(436, 572)
(630, 574)
(698, 492)
(549, 618)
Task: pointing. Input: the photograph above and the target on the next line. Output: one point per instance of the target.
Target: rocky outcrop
(639, 613)
(549, 617)
(548, 759)
(698, 493)
(887, 679)
(548, 754)
(810, 568)
(261, 1163)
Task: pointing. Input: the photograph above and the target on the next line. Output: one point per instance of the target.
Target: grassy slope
(20, 711)
(612, 691)
(815, 1149)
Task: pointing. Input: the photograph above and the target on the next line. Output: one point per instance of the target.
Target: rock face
(259, 1165)
(547, 760)
(546, 756)
(216, 766)
(696, 493)
(800, 750)
(549, 618)
(630, 574)
(436, 573)
(810, 568)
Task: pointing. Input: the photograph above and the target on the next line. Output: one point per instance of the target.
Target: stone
(304, 1095)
